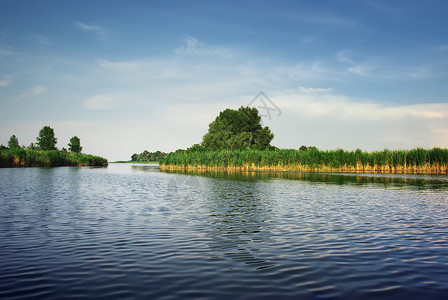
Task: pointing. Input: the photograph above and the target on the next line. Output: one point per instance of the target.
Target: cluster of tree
(45, 141)
(147, 156)
(45, 154)
(236, 130)
(232, 129)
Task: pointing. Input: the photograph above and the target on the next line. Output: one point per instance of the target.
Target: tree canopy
(148, 156)
(75, 145)
(237, 129)
(13, 142)
(46, 139)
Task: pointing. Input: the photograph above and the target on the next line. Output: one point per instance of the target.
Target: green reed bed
(19, 157)
(312, 158)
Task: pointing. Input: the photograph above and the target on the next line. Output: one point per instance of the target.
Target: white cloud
(308, 90)
(322, 103)
(328, 121)
(6, 80)
(37, 90)
(192, 46)
(98, 30)
(119, 66)
(360, 70)
(102, 102)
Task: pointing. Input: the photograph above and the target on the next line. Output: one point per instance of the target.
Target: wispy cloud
(6, 80)
(43, 40)
(102, 102)
(309, 70)
(37, 90)
(345, 56)
(358, 66)
(98, 30)
(193, 46)
(119, 66)
(360, 70)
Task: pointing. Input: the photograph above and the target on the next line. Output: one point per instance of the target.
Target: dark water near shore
(130, 231)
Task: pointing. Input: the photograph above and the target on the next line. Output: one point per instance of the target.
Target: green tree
(13, 142)
(46, 139)
(237, 129)
(75, 145)
(32, 146)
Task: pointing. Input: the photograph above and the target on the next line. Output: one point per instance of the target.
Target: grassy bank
(419, 160)
(51, 158)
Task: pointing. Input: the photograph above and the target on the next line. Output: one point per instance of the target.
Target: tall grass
(19, 157)
(313, 159)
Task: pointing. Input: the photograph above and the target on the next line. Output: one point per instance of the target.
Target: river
(131, 231)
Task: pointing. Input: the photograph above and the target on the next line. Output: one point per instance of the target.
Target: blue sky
(128, 76)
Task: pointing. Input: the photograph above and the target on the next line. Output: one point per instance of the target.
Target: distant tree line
(46, 140)
(45, 154)
(147, 156)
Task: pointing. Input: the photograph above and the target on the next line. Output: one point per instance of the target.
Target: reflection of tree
(238, 220)
(145, 168)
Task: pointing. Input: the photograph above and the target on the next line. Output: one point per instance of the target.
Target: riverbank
(428, 169)
(17, 158)
(414, 161)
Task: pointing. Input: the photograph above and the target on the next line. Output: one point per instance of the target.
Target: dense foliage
(75, 145)
(147, 156)
(311, 157)
(46, 139)
(45, 153)
(13, 142)
(237, 129)
(19, 157)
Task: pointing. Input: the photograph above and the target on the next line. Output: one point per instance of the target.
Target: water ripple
(134, 232)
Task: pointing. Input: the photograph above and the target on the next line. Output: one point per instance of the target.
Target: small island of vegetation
(236, 140)
(45, 154)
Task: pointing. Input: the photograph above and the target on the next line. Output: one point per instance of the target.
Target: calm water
(133, 232)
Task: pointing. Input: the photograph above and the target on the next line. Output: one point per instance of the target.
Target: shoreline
(414, 169)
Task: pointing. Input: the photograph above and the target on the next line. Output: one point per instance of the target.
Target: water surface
(131, 231)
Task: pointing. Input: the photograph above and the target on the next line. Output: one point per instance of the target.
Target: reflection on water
(385, 180)
(145, 168)
(238, 221)
(131, 231)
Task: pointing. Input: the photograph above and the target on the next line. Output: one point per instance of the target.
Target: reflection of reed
(391, 180)
(359, 168)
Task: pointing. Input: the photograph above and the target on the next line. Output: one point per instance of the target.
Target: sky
(128, 76)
